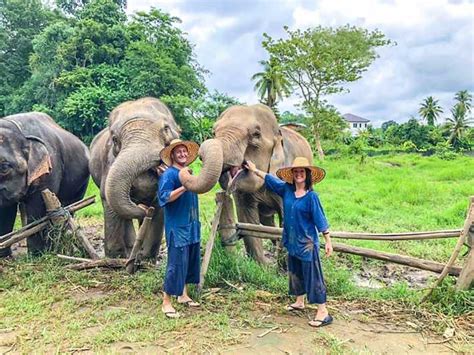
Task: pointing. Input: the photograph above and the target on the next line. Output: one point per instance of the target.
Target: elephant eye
(166, 128)
(5, 168)
(256, 134)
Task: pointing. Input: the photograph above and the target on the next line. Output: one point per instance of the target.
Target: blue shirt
(182, 226)
(303, 218)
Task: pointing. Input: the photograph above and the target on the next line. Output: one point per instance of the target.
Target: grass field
(52, 309)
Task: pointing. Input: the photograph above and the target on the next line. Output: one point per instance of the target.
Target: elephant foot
(5, 252)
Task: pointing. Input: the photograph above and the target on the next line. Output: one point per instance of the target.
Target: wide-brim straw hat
(286, 174)
(193, 150)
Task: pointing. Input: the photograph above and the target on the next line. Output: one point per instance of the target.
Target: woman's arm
(250, 166)
(176, 193)
(271, 182)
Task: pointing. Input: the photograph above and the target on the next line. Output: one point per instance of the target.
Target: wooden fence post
(466, 278)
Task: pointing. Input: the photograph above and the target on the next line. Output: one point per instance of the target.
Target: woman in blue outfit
(182, 226)
(304, 219)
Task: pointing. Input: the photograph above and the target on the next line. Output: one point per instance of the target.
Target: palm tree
(464, 98)
(430, 110)
(271, 83)
(458, 123)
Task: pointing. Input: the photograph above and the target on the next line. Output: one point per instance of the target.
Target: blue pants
(183, 268)
(306, 277)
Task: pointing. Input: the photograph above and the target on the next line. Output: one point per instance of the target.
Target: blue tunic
(303, 219)
(182, 226)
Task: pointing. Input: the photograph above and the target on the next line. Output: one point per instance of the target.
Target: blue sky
(433, 56)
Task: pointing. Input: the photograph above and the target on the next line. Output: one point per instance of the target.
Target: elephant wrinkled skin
(37, 154)
(124, 157)
(251, 133)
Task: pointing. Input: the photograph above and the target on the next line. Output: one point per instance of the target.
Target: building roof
(349, 117)
(293, 125)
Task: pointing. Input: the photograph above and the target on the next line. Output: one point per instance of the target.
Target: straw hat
(193, 149)
(286, 174)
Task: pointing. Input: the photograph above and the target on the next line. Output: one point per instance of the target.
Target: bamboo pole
(247, 227)
(220, 199)
(27, 230)
(374, 254)
(395, 258)
(131, 265)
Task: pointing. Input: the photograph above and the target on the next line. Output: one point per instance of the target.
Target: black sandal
(316, 323)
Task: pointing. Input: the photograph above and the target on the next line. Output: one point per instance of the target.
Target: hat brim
(193, 150)
(286, 174)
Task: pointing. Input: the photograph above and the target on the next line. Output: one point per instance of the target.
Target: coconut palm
(458, 124)
(430, 110)
(271, 83)
(464, 98)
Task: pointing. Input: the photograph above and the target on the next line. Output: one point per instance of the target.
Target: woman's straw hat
(286, 174)
(193, 149)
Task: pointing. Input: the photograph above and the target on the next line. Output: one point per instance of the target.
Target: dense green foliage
(77, 65)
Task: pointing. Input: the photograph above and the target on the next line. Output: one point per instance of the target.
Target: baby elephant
(37, 154)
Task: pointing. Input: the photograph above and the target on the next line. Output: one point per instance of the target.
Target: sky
(433, 55)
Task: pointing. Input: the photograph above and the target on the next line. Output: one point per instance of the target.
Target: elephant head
(243, 133)
(139, 130)
(24, 160)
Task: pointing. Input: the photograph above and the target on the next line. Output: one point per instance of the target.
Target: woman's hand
(328, 243)
(328, 248)
(250, 166)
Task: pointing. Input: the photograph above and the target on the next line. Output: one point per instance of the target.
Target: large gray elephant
(37, 154)
(250, 133)
(124, 157)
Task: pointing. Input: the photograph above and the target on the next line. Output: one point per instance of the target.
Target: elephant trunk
(212, 158)
(130, 163)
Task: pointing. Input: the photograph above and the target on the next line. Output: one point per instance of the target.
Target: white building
(356, 123)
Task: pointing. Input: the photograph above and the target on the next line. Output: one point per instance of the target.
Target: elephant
(250, 133)
(124, 157)
(37, 154)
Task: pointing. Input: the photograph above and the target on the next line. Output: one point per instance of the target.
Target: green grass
(54, 309)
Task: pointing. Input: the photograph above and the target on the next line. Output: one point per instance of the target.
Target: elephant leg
(7, 218)
(152, 242)
(35, 209)
(119, 234)
(247, 212)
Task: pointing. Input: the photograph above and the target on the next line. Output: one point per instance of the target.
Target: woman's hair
(308, 184)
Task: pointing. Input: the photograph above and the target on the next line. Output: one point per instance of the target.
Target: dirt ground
(353, 330)
(289, 335)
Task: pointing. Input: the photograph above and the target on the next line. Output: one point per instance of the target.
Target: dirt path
(293, 336)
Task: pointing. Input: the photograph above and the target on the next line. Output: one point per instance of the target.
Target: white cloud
(433, 56)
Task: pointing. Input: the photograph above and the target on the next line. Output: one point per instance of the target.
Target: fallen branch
(107, 263)
(72, 258)
(267, 332)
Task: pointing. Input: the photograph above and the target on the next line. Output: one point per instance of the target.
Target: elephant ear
(278, 155)
(39, 160)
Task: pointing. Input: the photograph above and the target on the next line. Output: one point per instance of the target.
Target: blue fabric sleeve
(275, 184)
(317, 212)
(165, 187)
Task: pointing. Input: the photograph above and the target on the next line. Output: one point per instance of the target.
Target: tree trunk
(318, 146)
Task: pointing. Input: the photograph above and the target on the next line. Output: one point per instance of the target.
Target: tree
(430, 110)
(271, 84)
(85, 64)
(388, 124)
(20, 22)
(458, 124)
(320, 61)
(464, 98)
